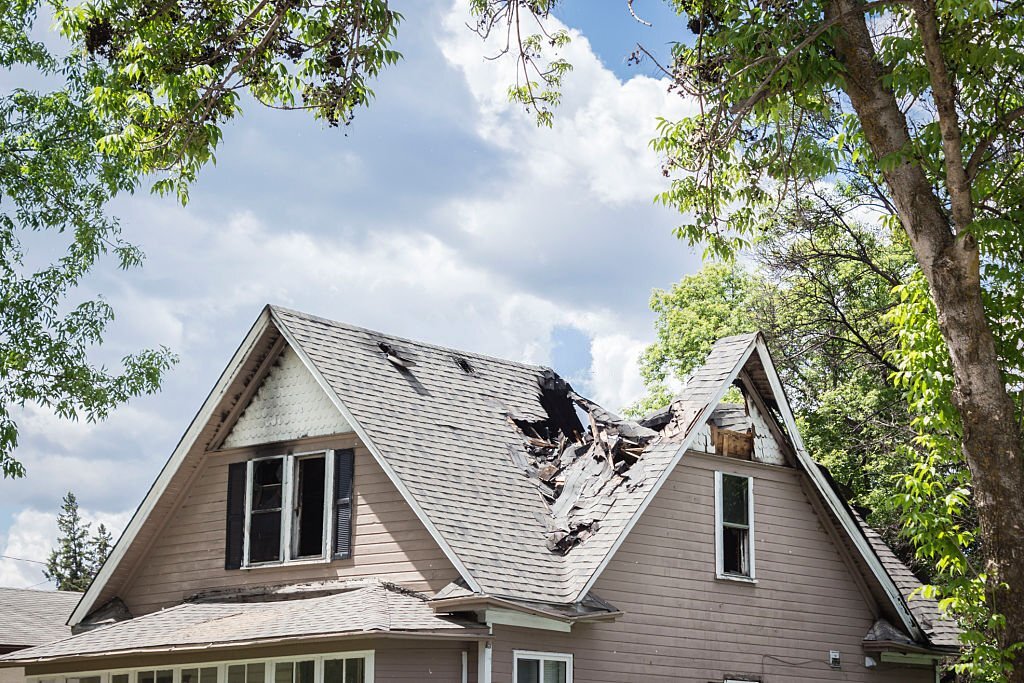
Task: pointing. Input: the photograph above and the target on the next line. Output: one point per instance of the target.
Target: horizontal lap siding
(188, 554)
(410, 661)
(683, 625)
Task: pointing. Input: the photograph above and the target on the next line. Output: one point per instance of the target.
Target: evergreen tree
(99, 549)
(70, 565)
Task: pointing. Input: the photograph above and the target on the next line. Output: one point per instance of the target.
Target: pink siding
(684, 625)
(187, 555)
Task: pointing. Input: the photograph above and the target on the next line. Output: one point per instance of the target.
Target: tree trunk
(992, 438)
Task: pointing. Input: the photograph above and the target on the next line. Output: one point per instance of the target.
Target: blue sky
(442, 213)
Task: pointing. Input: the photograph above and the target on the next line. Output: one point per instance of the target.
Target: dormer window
(289, 508)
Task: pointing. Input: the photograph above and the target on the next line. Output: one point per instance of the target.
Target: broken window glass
(734, 500)
(309, 507)
(734, 529)
(265, 514)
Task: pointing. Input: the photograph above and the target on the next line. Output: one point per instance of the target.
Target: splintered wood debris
(579, 469)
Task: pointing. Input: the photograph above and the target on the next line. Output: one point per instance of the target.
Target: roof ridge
(406, 340)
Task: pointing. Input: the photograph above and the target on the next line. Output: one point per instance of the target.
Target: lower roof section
(225, 622)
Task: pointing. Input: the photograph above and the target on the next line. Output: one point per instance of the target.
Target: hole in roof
(464, 365)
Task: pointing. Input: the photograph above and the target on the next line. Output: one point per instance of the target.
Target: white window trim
(222, 668)
(550, 656)
(286, 542)
(720, 527)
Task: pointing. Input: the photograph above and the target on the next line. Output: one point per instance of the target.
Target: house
(352, 507)
(32, 617)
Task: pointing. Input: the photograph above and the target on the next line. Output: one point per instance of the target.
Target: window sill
(289, 563)
(736, 578)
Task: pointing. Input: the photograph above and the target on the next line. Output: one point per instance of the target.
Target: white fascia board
(378, 456)
(186, 443)
(507, 617)
(832, 500)
(692, 430)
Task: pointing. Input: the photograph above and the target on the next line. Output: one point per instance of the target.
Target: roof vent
(464, 365)
(394, 357)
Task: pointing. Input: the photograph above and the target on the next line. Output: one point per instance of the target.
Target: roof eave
(471, 634)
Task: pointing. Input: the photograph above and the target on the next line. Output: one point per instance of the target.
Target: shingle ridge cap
(406, 340)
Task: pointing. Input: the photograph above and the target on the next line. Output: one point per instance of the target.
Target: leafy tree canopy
(922, 100)
(137, 91)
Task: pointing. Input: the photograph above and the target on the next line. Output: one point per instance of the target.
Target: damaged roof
(458, 439)
(528, 487)
(357, 608)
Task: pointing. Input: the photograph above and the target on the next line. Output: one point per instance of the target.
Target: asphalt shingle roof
(941, 631)
(33, 617)
(447, 434)
(373, 609)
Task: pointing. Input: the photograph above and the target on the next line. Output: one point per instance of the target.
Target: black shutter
(235, 535)
(344, 462)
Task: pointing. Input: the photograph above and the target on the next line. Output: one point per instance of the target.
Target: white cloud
(32, 537)
(445, 215)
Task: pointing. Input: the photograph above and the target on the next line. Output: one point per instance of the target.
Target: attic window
(734, 527)
(464, 365)
(284, 508)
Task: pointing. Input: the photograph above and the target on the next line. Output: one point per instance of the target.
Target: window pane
(254, 673)
(304, 672)
(150, 676)
(309, 507)
(190, 676)
(283, 672)
(734, 500)
(528, 671)
(164, 676)
(554, 671)
(355, 670)
(208, 675)
(266, 483)
(265, 537)
(735, 551)
(334, 671)
(236, 673)
(117, 678)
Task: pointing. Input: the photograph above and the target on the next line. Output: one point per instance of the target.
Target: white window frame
(222, 668)
(720, 572)
(287, 540)
(541, 656)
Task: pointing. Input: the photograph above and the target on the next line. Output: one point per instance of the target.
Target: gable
(187, 555)
(806, 600)
(289, 404)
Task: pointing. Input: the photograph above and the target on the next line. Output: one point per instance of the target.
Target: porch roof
(224, 622)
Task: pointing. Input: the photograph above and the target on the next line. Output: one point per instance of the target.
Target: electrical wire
(21, 559)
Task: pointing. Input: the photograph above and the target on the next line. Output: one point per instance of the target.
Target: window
(348, 667)
(289, 508)
(734, 526)
(542, 667)
(348, 670)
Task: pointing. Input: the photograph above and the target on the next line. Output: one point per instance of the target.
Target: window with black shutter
(344, 464)
(285, 508)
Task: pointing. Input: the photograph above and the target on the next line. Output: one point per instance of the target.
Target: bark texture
(950, 261)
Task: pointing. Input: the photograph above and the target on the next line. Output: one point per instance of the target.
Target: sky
(443, 213)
